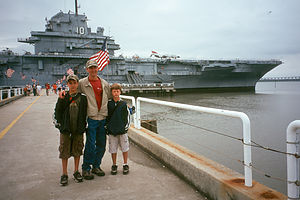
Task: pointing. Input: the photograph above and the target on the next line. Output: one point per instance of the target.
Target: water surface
(270, 109)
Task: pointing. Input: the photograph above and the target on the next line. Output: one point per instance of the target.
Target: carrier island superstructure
(68, 42)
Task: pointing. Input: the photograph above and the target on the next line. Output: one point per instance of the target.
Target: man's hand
(62, 94)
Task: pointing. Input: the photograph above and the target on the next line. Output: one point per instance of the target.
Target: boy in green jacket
(70, 114)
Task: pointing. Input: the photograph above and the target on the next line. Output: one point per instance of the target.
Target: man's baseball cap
(91, 63)
(72, 77)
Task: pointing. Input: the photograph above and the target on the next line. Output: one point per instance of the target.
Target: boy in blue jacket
(70, 114)
(118, 121)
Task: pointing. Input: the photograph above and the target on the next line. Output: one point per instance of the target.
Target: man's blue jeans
(95, 144)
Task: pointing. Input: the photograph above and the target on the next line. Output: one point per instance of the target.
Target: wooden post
(151, 125)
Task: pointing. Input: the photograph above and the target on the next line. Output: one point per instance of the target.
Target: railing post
(1, 95)
(8, 94)
(134, 115)
(20, 91)
(291, 148)
(133, 104)
(247, 150)
(138, 112)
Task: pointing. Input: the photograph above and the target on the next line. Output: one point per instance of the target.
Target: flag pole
(108, 54)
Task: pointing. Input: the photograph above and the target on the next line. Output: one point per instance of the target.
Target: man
(97, 91)
(47, 86)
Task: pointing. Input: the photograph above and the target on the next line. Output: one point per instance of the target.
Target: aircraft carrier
(68, 42)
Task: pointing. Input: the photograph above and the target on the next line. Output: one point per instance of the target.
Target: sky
(192, 29)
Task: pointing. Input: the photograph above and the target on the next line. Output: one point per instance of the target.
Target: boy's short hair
(116, 86)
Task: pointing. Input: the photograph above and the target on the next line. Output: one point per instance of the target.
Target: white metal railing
(16, 92)
(292, 162)
(133, 104)
(235, 114)
(293, 179)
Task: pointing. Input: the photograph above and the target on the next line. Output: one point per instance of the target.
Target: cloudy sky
(192, 29)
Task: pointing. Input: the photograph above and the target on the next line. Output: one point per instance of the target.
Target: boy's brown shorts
(70, 146)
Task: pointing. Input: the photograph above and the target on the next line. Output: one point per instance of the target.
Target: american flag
(9, 72)
(102, 57)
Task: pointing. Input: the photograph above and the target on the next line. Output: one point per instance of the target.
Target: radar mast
(76, 8)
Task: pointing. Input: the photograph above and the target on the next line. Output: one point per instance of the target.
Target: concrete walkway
(30, 167)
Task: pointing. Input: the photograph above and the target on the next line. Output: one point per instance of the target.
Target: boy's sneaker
(114, 169)
(98, 171)
(125, 169)
(87, 175)
(64, 180)
(77, 177)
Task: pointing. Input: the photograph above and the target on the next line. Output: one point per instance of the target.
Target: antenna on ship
(76, 8)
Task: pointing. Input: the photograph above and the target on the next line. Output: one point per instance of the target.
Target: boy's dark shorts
(70, 146)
